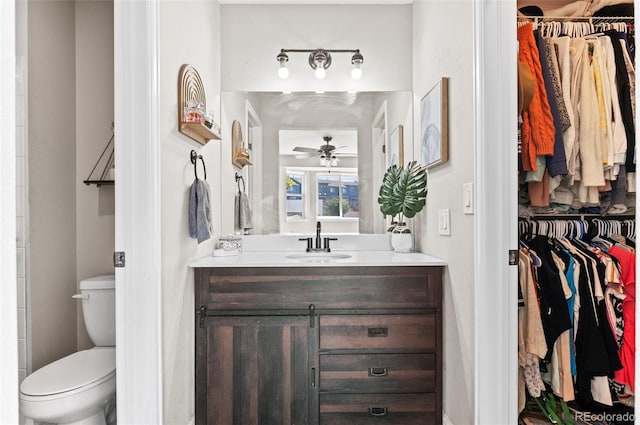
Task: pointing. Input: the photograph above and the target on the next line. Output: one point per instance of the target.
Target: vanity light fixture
(320, 61)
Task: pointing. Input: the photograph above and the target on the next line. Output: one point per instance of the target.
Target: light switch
(467, 198)
(444, 222)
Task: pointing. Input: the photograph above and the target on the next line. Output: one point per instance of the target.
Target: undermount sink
(318, 256)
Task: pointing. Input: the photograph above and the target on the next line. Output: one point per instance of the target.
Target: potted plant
(403, 194)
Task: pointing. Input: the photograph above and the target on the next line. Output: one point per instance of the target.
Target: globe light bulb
(283, 72)
(320, 72)
(356, 72)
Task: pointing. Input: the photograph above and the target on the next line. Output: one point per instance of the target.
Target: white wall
(52, 179)
(434, 38)
(253, 35)
(189, 34)
(95, 209)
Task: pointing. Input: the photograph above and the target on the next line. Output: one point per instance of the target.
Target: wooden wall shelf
(237, 145)
(99, 182)
(240, 161)
(191, 89)
(198, 132)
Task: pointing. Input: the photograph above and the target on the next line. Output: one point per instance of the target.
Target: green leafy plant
(556, 411)
(404, 191)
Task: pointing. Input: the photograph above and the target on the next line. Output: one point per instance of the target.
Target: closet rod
(594, 19)
(586, 217)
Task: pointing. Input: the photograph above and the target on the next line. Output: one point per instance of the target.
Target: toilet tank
(98, 296)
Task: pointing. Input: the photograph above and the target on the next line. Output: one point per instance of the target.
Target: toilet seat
(74, 373)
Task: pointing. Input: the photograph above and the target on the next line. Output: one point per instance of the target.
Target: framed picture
(434, 125)
(396, 147)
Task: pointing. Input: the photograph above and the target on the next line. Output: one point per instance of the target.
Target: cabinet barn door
(257, 370)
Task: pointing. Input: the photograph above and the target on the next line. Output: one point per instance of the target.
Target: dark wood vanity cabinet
(318, 345)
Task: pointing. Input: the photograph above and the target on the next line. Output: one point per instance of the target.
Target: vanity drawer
(372, 409)
(390, 333)
(275, 288)
(373, 373)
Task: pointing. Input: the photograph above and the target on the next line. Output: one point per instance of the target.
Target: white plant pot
(401, 239)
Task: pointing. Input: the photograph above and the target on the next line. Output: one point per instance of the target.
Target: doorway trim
(495, 219)
(8, 279)
(379, 160)
(138, 212)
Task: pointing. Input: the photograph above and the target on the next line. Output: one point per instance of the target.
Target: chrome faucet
(318, 227)
(322, 244)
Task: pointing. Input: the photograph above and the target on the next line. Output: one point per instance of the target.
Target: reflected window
(295, 196)
(338, 196)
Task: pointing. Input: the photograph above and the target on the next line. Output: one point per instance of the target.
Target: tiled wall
(21, 213)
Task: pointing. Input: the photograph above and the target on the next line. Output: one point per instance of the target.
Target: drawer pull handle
(378, 371)
(378, 411)
(378, 332)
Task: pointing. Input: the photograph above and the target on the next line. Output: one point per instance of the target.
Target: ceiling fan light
(320, 73)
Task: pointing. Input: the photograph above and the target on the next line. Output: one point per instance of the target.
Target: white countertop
(356, 258)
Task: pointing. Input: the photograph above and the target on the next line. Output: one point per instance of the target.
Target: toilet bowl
(73, 390)
(79, 389)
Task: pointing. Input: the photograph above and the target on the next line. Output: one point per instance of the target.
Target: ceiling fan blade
(303, 149)
(340, 147)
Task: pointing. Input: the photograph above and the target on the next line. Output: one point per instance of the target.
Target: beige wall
(433, 38)
(95, 209)
(189, 34)
(71, 225)
(52, 179)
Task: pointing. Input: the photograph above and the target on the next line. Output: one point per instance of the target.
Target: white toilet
(79, 389)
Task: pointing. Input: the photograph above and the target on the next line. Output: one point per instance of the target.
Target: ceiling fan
(326, 152)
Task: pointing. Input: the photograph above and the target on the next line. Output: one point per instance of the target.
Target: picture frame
(396, 147)
(434, 127)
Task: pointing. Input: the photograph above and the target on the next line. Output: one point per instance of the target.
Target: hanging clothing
(627, 351)
(532, 346)
(582, 359)
(557, 162)
(624, 95)
(581, 75)
(553, 306)
(538, 131)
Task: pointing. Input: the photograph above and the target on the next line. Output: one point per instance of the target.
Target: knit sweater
(538, 131)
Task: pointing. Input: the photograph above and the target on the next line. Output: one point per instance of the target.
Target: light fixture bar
(320, 61)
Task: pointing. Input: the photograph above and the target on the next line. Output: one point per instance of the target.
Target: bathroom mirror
(318, 156)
